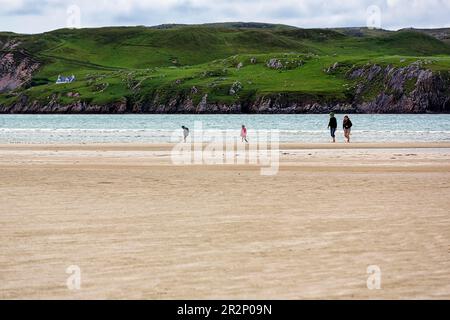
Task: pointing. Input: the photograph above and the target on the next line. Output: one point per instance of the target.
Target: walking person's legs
(347, 135)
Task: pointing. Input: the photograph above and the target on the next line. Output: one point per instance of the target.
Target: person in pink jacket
(244, 134)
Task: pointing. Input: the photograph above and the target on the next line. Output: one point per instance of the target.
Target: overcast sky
(32, 16)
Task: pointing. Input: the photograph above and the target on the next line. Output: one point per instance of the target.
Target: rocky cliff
(411, 89)
(375, 89)
(16, 66)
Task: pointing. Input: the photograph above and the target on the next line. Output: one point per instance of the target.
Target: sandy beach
(140, 227)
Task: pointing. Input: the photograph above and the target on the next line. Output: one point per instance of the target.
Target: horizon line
(224, 23)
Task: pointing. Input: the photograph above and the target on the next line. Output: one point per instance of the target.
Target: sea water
(162, 128)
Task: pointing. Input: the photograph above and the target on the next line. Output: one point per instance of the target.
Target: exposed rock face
(275, 64)
(235, 88)
(403, 90)
(16, 67)
(282, 104)
(176, 105)
(182, 104)
(31, 107)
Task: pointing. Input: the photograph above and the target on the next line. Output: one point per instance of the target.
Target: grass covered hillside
(227, 63)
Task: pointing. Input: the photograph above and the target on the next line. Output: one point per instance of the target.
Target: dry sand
(139, 227)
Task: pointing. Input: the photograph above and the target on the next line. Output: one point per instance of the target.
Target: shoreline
(170, 146)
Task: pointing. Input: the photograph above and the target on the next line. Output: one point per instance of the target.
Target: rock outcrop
(274, 64)
(16, 67)
(25, 106)
(410, 89)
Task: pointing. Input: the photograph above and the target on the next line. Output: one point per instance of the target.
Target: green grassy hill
(138, 63)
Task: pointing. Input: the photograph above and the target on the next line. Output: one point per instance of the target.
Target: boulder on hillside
(275, 64)
(235, 88)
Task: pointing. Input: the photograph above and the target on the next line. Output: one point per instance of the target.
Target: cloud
(31, 16)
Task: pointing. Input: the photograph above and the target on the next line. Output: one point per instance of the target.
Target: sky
(30, 16)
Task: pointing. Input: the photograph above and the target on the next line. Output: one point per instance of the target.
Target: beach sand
(141, 228)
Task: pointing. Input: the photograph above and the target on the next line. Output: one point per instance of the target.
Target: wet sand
(141, 228)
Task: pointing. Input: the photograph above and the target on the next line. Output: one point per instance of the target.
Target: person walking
(347, 128)
(244, 134)
(332, 125)
(185, 133)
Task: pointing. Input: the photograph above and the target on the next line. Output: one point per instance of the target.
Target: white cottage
(62, 79)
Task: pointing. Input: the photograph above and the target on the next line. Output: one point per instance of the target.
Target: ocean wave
(164, 128)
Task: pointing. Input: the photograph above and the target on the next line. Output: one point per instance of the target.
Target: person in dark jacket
(332, 125)
(185, 133)
(347, 128)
